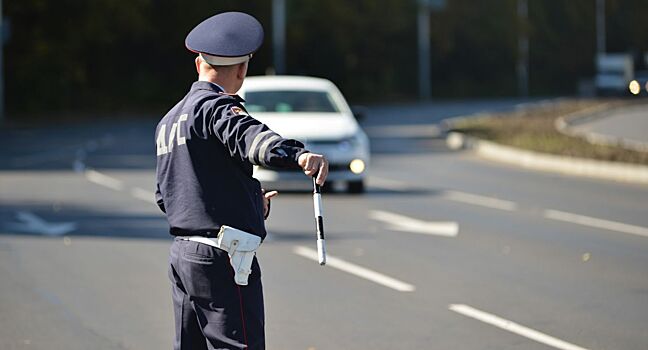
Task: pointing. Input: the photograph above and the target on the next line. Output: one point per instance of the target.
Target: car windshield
(289, 101)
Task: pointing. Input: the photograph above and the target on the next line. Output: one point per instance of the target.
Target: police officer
(207, 145)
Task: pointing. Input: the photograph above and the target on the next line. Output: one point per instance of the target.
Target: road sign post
(523, 48)
(423, 24)
(2, 78)
(279, 36)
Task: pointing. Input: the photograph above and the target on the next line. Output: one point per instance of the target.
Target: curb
(622, 172)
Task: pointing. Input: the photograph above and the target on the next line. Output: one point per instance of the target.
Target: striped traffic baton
(317, 205)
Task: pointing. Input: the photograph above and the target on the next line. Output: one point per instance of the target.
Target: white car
(313, 111)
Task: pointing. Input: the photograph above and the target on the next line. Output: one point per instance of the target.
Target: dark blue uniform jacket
(206, 147)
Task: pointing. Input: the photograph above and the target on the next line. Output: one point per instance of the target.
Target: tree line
(117, 56)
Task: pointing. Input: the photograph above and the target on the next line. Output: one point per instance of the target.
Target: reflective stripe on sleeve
(253, 148)
(264, 147)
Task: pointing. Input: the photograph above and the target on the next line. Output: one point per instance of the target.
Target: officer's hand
(313, 164)
(266, 201)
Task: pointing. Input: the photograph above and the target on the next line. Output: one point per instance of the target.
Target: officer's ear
(241, 70)
(198, 61)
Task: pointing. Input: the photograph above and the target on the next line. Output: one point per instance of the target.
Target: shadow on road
(369, 192)
(42, 220)
(51, 221)
(308, 237)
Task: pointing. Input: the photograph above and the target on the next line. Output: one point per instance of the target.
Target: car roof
(274, 82)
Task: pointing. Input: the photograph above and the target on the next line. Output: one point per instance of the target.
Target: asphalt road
(628, 125)
(444, 251)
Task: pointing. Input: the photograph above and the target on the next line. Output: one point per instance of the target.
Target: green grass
(534, 130)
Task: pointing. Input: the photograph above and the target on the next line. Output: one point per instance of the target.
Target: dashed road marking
(104, 180)
(118, 185)
(489, 202)
(399, 222)
(457, 196)
(356, 270)
(496, 203)
(595, 222)
(513, 327)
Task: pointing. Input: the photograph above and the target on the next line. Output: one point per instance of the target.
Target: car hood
(309, 126)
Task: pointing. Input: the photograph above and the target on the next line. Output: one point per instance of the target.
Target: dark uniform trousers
(211, 311)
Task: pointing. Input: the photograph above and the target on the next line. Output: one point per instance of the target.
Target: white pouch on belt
(239, 245)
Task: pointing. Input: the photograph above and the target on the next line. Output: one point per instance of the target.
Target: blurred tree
(72, 54)
(474, 47)
(115, 55)
(562, 44)
(368, 47)
(108, 55)
(627, 24)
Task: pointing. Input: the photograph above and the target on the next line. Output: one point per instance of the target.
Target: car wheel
(356, 186)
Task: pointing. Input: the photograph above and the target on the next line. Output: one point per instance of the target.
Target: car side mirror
(359, 112)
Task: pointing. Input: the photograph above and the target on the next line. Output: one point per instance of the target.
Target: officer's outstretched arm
(250, 140)
(312, 164)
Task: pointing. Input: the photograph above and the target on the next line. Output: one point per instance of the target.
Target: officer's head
(228, 77)
(224, 44)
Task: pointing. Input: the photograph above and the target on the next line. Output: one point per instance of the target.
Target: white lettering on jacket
(174, 136)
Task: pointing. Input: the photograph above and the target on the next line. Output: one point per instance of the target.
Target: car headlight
(634, 87)
(357, 166)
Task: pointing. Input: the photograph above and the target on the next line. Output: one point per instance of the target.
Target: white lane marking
(104, 180)
(356, 270)
(399, 222)
(117, 185)
(483, 201)
(513, 327)
(597, 223)
(143, 194)
(456, 196)
(30, 222)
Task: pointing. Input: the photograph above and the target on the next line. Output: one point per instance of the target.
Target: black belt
(186, 233)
